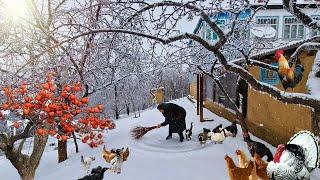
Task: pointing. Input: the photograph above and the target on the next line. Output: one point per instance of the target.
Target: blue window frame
(268, 76)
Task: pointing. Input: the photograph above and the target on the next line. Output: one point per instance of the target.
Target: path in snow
(152, 157)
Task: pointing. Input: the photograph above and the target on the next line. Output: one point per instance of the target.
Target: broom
(140, 131)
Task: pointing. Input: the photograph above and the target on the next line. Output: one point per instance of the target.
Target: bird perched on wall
(237, 173)
(296, 159)
(259, 148)
(289, 76)
(86, 162)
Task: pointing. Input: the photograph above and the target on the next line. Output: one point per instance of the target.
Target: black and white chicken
(296, 159)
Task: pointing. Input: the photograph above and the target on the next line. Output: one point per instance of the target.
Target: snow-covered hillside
(152, 157)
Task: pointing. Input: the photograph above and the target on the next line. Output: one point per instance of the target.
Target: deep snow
(152, 157)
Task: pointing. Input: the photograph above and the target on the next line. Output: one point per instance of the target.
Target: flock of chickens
(293, 161)
(115, 157)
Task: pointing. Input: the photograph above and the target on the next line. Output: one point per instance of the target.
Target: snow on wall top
(313, 82)
(279, 2)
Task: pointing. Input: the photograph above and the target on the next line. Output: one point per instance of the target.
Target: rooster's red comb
(278, 54)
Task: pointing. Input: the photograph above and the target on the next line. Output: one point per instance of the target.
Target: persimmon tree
(48, 111)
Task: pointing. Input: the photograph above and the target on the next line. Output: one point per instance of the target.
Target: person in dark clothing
(175, 117)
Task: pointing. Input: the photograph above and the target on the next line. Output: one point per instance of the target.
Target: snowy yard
(152, 157)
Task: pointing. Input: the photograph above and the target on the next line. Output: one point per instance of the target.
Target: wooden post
(198, 94)
(201, 98)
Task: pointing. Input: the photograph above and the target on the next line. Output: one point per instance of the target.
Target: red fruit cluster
(59, 109)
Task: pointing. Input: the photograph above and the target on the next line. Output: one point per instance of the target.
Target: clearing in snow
(152, 157)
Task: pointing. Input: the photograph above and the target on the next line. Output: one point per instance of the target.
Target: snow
(279, 2)
(313, 82)
(152, 157)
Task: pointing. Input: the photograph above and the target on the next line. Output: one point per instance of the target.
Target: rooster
(244, 162)
(296, 159)
(289, 77)
(237, 173)
(115, 158)
(107, 155)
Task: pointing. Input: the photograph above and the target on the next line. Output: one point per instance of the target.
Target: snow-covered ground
(152, 157)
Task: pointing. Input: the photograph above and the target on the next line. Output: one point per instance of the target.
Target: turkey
(296, 159)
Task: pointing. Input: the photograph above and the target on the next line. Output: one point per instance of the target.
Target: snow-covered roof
(290, 45)
(313, 82)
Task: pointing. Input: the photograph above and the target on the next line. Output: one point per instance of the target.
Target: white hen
(218, 138)
(86, 163)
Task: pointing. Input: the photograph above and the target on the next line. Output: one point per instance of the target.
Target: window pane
(301, 31)
(214, 36)
(208, 34)
(286, 33)
(293, 31)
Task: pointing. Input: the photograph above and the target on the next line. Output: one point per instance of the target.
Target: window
(208, 34)
(268, 76)
(269, 21)
(221, 24)
(315, 32)
(292, 29)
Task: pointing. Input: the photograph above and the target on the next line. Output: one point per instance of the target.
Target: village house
(264, 114)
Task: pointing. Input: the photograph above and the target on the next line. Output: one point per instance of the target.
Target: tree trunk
(128, 109)
(62, 151)
(75, 142)
(27, 165)
(29, 175)
(116, 102)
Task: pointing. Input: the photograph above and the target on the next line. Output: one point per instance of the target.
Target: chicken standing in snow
(237, 173)
(296, 159)
(232, 130)
(86, 162)
(217, 129)
(116, 162)
(189, 133)
(218, 138)
(175, 117)
(115, 158)
(244, 162)
(289, 77)
(203, 137)
(259, 148)
(96, 174)
(261, 167)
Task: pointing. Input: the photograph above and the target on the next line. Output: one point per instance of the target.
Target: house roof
(291, 45)
(270, 52)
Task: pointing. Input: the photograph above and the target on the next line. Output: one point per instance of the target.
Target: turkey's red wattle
(278, 153)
